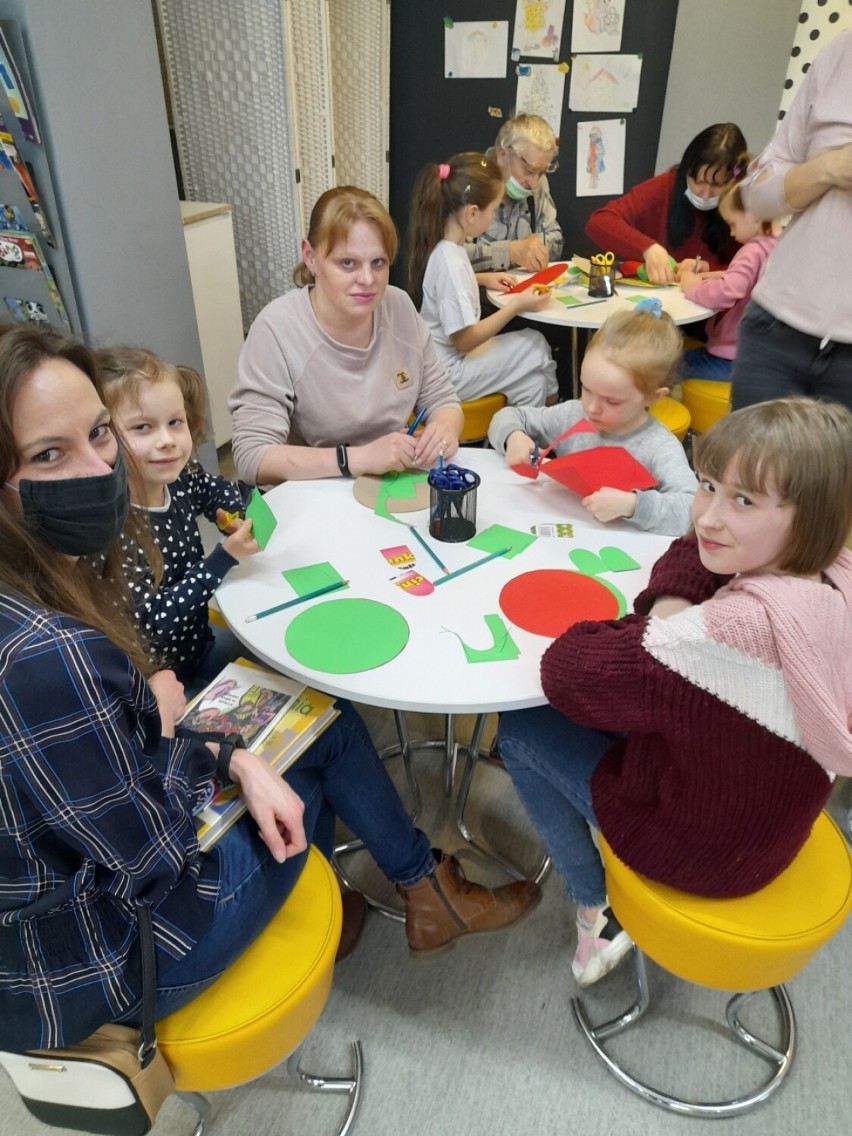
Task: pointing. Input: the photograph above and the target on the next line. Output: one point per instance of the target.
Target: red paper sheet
(602, 465)
(550, 600)
(543, 277)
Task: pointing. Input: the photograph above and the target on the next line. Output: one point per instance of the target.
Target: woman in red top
(674, 214)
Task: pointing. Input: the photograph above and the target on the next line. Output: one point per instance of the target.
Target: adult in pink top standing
(727, 291)
(796, 336)
(673, 216)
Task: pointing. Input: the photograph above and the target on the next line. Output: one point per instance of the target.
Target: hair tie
(443, 171)
(736, 171)
(651, 305)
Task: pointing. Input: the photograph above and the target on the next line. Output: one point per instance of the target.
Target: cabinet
(209, 234)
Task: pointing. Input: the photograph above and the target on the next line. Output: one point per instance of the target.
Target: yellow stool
(674, 415)
(263, 1007)
(706, 401)
(753, 943)
(478, 414)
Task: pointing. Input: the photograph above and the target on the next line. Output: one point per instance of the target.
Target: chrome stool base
(781, 1059)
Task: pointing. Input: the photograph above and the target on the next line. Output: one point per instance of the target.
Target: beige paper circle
(366, 490)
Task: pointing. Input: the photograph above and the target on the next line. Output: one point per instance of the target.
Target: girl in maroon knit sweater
(700, 735)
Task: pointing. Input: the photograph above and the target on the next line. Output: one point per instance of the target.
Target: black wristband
(343, 461)
(223, 761)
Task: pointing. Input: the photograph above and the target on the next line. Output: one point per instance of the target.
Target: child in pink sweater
(729, 290)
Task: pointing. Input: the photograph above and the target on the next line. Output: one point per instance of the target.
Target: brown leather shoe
(354, 910)
(444, 905)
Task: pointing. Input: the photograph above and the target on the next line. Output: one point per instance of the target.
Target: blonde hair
(802, 450)
(531, 128)
(123, 370)
(648, 347)
(731, 201)
(334, 214)
(468, 179)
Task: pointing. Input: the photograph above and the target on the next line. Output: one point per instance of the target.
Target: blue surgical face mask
(705, 204)
(78, 516)
(514, 190)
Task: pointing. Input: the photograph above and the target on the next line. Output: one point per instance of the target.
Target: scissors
(603, 259)
(452, 478)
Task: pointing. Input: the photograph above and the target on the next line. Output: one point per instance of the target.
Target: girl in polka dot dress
(158, 411)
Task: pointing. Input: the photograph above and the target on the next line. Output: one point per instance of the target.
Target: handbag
(113, 1082)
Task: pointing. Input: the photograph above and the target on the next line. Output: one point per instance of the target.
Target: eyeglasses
(531, 171)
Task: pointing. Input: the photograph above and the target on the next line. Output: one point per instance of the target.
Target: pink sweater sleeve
(737, 282)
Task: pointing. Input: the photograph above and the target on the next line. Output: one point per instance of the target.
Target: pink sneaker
(600, 948)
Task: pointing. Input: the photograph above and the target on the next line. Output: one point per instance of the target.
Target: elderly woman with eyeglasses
(524, 232)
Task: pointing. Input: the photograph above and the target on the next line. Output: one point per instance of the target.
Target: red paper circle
(550, 600)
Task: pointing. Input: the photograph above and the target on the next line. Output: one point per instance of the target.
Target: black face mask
(77, 515)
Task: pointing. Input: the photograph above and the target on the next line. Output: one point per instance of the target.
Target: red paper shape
(529, 470)
(550, 600)
(543, 277)
(602, 465)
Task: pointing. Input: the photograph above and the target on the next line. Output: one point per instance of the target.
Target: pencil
(476, 563)
(433, 554)
(420, 415)
(297, 600)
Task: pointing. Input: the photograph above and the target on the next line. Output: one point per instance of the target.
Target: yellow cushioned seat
(478, 413)
(265, 1004)
(706, 401)
(749, 944)
(673, 415)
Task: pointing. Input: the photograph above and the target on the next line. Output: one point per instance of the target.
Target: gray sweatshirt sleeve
(541, 423)
(666, 509)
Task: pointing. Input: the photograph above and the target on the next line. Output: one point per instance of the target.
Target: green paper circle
(345, 636)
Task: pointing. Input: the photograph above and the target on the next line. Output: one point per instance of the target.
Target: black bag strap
(148, 1039)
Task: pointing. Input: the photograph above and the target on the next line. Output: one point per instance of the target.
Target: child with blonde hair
(727, 291)
(629, 365)
(452, 202)
(158, 411)
(701, 735)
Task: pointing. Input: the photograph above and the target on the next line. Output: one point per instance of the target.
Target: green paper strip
(499, 536)
(263, 519)
(311, 577)
(402, 485)
(503, 647)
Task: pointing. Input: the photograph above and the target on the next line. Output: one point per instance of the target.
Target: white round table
(590, 316)
(321, 521)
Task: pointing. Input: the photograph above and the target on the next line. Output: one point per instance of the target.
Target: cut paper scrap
(582, 426)
(590, 470)
(609, 559)
(546, 276)
(403, 492)
(262, 518)
(399, 556)
(346, 636)
(311, 577)
(413, 584)
(550, 600)
(503, 647)
(499, 536)
(552, 528)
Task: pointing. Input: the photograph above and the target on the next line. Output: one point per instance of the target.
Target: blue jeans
(551, 761)
(698, 363)
(340, 774)
(774, 361)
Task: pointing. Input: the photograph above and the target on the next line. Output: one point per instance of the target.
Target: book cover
(22, 250)
(242, 699)
(310, 713)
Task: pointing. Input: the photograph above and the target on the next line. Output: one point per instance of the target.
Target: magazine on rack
(277, 717)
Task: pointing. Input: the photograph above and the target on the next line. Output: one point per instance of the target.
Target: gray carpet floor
(479, 1041)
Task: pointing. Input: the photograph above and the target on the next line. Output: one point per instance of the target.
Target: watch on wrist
(343, 461)
(223, 761)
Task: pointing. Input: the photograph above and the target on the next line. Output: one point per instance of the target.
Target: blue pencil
(297, 600)
(420, 416)
(434, 555)
(476, 563)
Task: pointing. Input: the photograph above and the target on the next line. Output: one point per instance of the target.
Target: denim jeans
(551, 761)
(774, 361)
(698, 363)
(340, 774)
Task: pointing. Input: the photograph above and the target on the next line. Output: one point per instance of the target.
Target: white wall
(729, 62)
